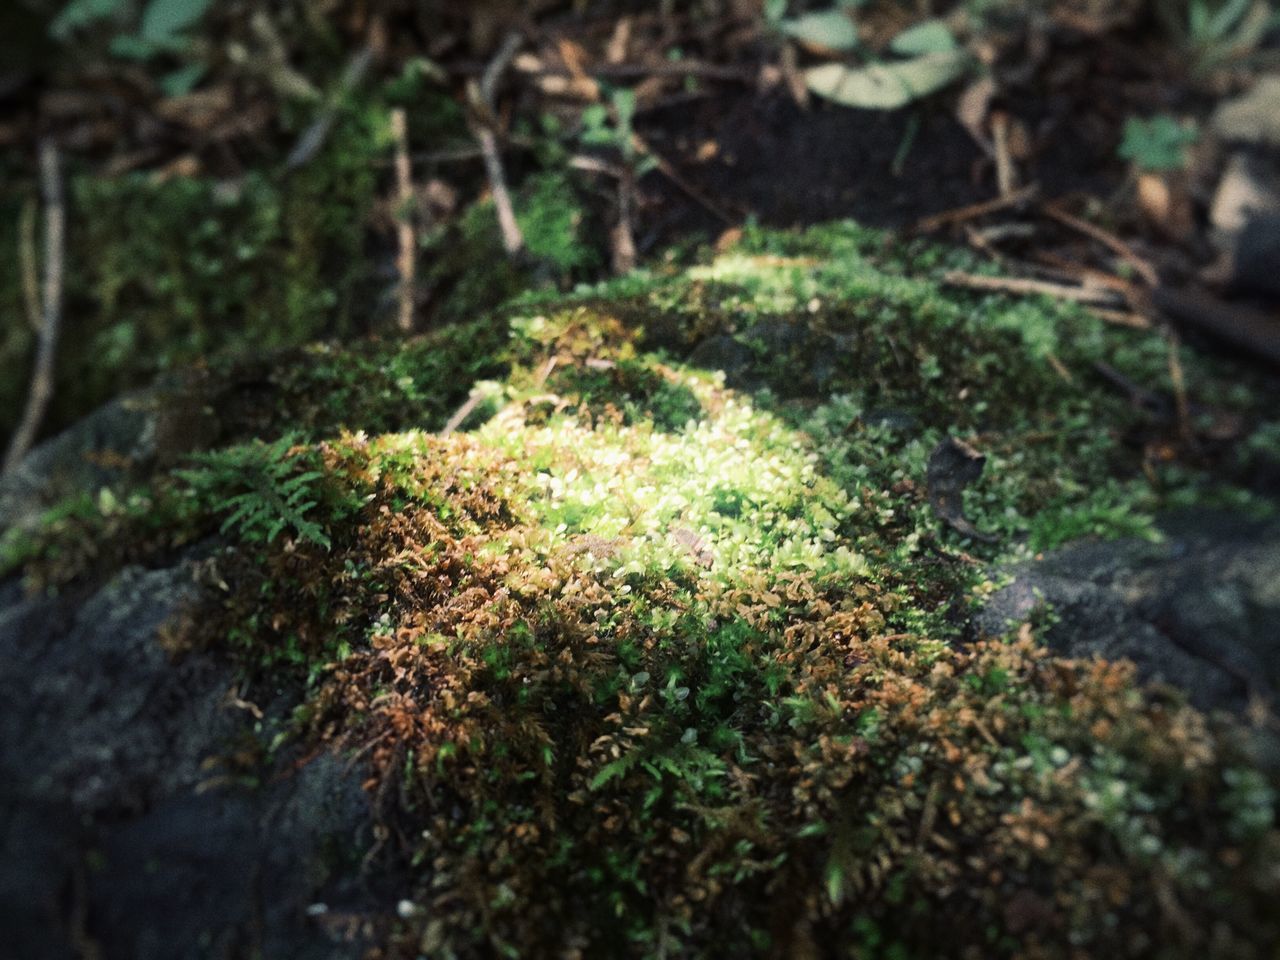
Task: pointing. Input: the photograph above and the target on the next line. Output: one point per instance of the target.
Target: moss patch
(646, 664)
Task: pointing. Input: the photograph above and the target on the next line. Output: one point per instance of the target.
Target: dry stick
(623, 235)
(671, 173)
(973, 211)
(404, 219)
(1121, 318)
(1179, 381)
(1144, 269)
(27, 262)
(314, 137)
(460, 415)
(1023, 287)
(482, 96)
(51, 318)
(1006, 176)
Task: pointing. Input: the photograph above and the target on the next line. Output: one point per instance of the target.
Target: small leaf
(182, 81)
(80, 13)
(932, 36)
(887, 86)
(166, 18)
(830, 30)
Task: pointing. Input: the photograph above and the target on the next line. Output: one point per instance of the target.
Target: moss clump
(649, 665)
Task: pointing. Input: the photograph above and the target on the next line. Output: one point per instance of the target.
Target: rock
(1249, 188)
(1200, 611)
(725, 353)
(82, 459)
(1246, 223)
(1253, 117)
(102, 741)
(1256, 255)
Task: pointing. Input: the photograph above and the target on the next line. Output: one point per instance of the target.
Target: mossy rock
(650, 659)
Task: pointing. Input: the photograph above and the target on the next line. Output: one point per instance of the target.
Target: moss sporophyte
(662, 660)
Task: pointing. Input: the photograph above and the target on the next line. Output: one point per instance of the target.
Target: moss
(164, 271)
(647, 663)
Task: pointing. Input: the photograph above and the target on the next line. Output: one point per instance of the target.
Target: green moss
(163, 272)
(649, 663)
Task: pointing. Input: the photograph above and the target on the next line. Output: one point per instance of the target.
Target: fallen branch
(1245, 327)
(1023, 287)
(51, 308)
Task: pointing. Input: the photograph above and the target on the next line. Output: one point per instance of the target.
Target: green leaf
(932, 36)
(182, 81)
(164, 19)
(1157, 144)
(80, 13)
(830, 30)
(887, 86)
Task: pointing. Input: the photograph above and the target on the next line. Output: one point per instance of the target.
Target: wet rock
(1200, 611)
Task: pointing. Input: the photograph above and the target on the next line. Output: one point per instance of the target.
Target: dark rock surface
(108, 841)
(1200, 611)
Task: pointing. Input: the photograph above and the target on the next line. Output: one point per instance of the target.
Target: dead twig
(1006, 175)
(314, 137)
(460, 415)
(55, 219)
(27, 264)
(1109, 240)
(1015, 199)
(1121, 318)
(1181, 404)
(482, 96)
(623, 241)
(641, 71)
(1023, 287)
(408, 241)
(666, 168)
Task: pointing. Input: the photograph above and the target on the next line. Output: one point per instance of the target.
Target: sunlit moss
(657, 659)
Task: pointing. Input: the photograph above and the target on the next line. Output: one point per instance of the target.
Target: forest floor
(482, 482)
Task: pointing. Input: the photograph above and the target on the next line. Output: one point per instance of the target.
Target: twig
(55, 218)
(314, 137)
(1024, 287)
(973, 211)
(1121, 318)
(404, 218)
(623, 234)
(671, 173)
(492, 75)
(1109, 240)
(640, 71)
(1179, 381)
(460, 415)
(27, 264)
(1006, 176)
(482, 96)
